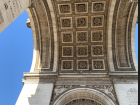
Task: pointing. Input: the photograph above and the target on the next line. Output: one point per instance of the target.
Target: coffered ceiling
(81, 35)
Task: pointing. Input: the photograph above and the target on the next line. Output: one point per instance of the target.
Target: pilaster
(126, 88)
(37, 89)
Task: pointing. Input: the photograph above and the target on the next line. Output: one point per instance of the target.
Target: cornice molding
(125, 79)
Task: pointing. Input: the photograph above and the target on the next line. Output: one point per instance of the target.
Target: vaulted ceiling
(88, 36)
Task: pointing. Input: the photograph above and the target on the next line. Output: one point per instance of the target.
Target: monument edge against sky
(84, 51)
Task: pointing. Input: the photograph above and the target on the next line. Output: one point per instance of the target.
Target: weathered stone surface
(10, 10)
(35, 94)
(81, 46)
(127, 94)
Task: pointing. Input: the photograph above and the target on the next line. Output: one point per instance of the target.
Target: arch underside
(91, 36)
(85, 46)
(83, 102)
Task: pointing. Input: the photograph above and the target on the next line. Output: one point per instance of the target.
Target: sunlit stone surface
(84, 51)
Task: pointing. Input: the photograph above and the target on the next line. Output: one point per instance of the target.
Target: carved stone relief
(66, 23)
(83, 102)
(82, 36)
(67, 64)
(67, 37)
(81, 22)
(97, 21)
(82, 51)
(97, 36)
(60, 89)
(64, 8)
(45, 36)
(82, 65)
(87, 30)
(121, 41)
(83, 81)
(98, 6)
(81, 7)
(132, 95)
(67, 51)
(97, 50)
(98, 64)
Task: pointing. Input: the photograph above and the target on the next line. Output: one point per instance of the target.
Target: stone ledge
(124, 73)
(125, 79)
(83, 75)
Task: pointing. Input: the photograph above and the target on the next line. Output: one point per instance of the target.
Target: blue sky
(16, 52)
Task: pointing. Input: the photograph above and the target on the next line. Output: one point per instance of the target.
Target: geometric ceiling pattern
(88, 36)
(82, 25)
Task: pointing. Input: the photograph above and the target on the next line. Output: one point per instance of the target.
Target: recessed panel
(64, 8)
(98, 64)
(82, 65)
(81, 7)
(97, 21)
(82, 51)
(67, 51)
(67, 65)
(67, 37)
(98, 6)
(81, 36)
(97, 36)
(97, 50)
(82, 22)
(66, 22)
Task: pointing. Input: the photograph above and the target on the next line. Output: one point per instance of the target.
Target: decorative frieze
(108, 90)
(83, 81)
(83, 102)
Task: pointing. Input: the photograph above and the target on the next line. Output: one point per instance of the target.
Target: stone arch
(127, 45)
(135, 20)
(45, 54)
(35, 42)
(83, 93)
